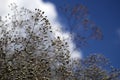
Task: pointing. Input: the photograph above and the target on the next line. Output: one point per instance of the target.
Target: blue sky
(106, 14)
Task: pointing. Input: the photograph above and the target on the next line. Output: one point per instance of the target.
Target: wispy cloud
(118, 32)
(118, 36)
(50, 11)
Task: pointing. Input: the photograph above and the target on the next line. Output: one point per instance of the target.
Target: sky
(105, 13)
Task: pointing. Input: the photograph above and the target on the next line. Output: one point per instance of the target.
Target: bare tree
(80, 26)
(96, 67)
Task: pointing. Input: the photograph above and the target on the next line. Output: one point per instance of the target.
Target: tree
(83, 29)
(29, 51)
(96, 67)
(80, 26)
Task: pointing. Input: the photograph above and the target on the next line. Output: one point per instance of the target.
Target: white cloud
(3, 7)
(50, 11)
